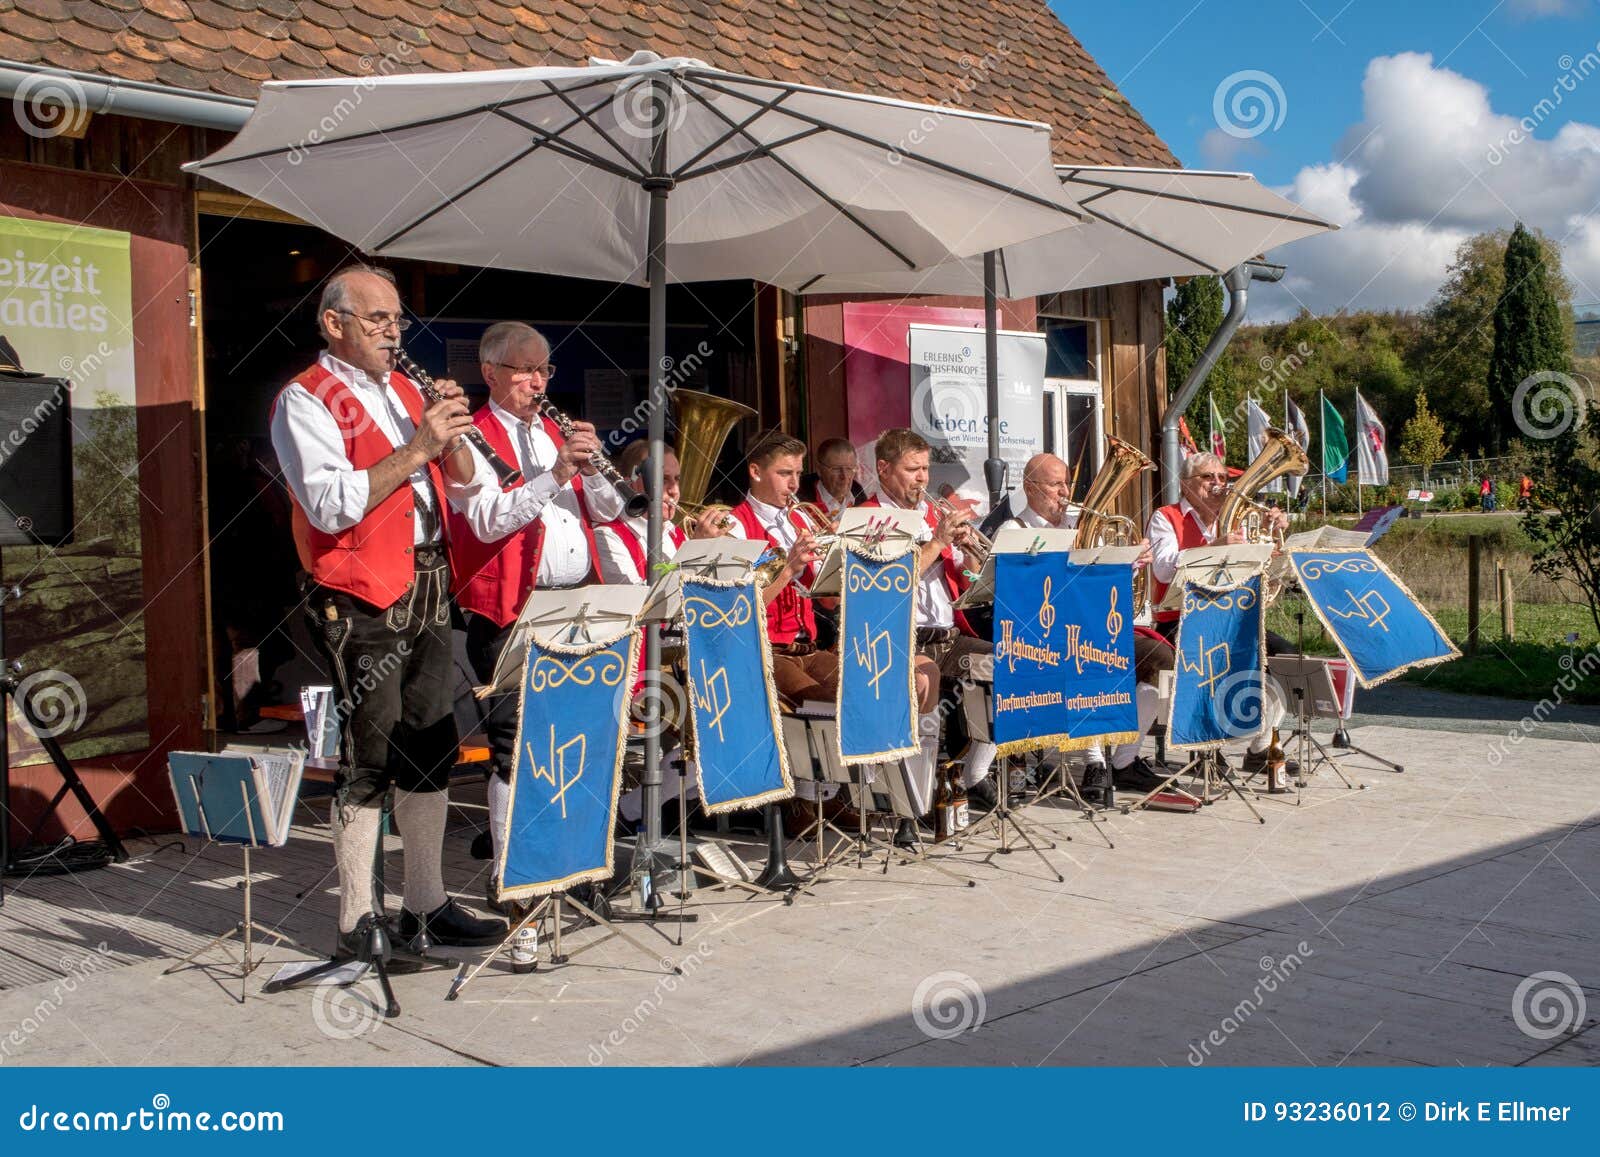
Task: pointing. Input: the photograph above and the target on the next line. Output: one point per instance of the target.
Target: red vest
(1189, 536)
(494, 579)
(372, 560)
(955, 581)
(791, 610)
(635, 548)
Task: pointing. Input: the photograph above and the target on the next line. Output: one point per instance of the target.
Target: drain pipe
(86, 92)
(1238, 281)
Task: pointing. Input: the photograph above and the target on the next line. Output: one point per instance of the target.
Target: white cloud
(1534, 9)
(1222, 150)
(1430, 163)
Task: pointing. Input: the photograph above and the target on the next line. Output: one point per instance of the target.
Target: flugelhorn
(972, 541)
(634, 503)
(507, 474)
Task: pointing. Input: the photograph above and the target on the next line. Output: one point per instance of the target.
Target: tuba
(1241, 514)
(704, 423)
(1098, 525)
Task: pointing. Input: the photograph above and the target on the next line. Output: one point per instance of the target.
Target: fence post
(1474, 543)
(1508, 608)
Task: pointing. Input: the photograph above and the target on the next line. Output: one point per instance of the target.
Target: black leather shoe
(1096, 778)
(1255, 762)
(905, 835)
(983, 796)
(451, 926)
(1137, 776)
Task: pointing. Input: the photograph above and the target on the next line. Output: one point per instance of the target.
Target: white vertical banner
(1295, 424)
(1372, 448)
(950, 406)
(1257, 424)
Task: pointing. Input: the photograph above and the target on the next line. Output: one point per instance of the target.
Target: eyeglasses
(546, 371)
(1212, 477)
(379, 321)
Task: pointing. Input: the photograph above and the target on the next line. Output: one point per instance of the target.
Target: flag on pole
(1257, 423)
(1219, 437)
(1335, 446)
(1372, 454)
(1186, 439)
(1295, 423)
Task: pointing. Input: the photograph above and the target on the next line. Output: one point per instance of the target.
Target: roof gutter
(91, 93)
(1238, 281)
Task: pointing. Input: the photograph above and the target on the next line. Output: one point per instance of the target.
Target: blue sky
(1392, 118)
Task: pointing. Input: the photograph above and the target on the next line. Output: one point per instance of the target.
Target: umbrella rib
(833, 202)
(1143, 236)
(687, 170)
(426, 122)
(567, 149)
(754, 154)
(942, 166)
(454, 197)
(603, 135)
(1109, 187)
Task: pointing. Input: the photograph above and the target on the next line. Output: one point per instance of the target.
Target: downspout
(88, 92)
(1238, 281)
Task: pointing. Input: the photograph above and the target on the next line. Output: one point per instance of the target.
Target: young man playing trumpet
(1047, 487)
(1203, 481)
(944, 637)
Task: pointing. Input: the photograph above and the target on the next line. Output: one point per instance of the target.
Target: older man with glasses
(361, 453)
(1203, 482)
(537, 534)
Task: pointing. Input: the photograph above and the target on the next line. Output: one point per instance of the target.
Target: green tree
(106, 490)
(1563, 525)
(1193, 315)
(1422, 439)
(1530, 332)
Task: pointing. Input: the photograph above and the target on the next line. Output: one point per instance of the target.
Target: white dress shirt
(616, 561)
(1164, 541)
(774, 518)
(831, 506)
(310, 448)
(935, 608)
(493, 513)
(1033, 520)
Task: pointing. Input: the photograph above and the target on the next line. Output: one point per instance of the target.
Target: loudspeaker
(35, 461)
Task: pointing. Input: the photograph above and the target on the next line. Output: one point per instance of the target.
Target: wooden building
(222, 291)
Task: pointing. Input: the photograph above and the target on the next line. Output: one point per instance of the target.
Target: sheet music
(1326, 538)
(278, 772)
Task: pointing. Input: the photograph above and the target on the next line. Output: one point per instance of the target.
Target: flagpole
(1358, 454)
(1322, 425)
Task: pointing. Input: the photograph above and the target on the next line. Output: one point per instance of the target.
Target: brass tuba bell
(1098, 525)
(704, 423)
(1241, 514)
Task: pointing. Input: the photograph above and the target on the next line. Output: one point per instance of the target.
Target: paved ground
(1395, 925)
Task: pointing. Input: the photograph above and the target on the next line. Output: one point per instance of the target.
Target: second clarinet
(633, 502)
(507, 474)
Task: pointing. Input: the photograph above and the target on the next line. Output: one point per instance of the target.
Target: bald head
(1044, 483)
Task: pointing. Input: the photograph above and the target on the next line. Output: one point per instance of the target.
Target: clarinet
(508, 475)
(634, 503)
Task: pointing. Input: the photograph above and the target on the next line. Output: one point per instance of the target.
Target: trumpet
(973, 542)
(633, 502)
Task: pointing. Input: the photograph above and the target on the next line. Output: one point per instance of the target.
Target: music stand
(1308, 682)
(249, 827)
(814, 731)
(886, 791)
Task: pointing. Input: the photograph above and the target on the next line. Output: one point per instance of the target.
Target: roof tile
(1007, 56)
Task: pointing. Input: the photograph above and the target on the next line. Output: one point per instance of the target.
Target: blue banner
(570, 736)
(1377, 624)
(1063, 657)
(877, 642)
(1219, 684)
(734, 729)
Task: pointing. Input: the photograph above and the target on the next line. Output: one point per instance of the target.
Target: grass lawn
(1529, 668)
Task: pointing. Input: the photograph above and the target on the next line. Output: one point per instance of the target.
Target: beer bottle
(1277, 763)
(943, 814)
(958, 802)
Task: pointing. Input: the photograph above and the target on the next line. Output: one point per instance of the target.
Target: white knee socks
(1147, 700)
(355, 846)
(421, 816)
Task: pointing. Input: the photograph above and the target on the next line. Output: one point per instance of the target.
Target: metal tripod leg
(1003, 819)
(1341, 740)
(1061, 783)
(243, 929)
(464, 977)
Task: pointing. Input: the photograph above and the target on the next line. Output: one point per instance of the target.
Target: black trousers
(485, 641)
(394, 681)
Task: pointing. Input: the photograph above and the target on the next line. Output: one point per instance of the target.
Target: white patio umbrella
(649, 171)
(1142, 224)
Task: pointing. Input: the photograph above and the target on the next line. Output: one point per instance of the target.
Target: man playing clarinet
(361, 452)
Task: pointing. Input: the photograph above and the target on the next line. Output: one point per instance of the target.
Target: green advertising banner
(66, 305)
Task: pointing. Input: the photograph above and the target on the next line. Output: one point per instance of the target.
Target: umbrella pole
(659, 185)
(994, 469)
